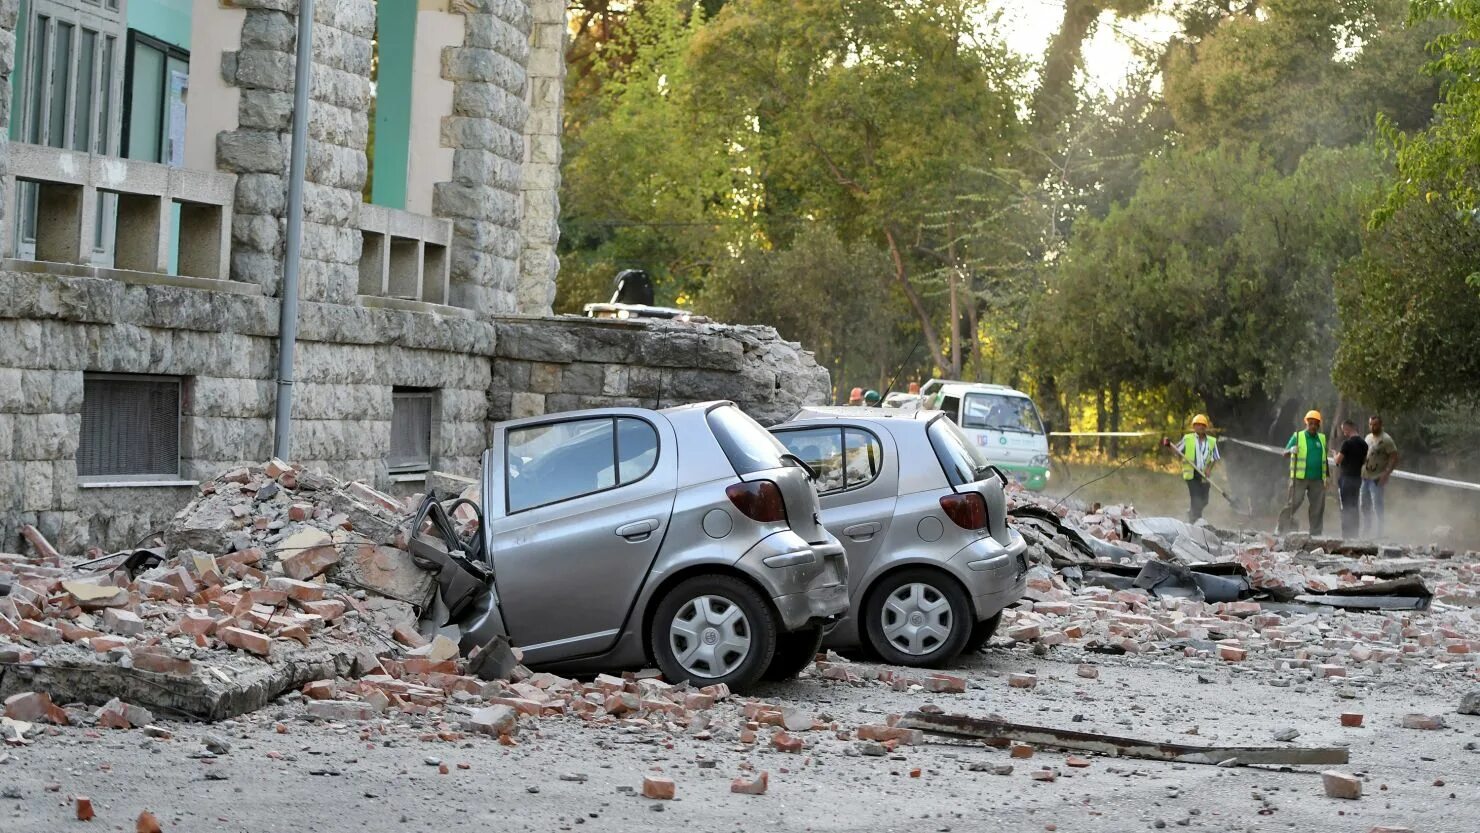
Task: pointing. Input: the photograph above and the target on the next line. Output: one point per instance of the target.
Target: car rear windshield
(961, 462)
(749, 447)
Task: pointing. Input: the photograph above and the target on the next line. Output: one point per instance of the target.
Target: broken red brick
(784, 742)
(160, 662)
(1022, 680)
(195, 623)
(328, 609)
(1076, 761)
(84, 808)
(123, 622)
(39, 633)
(300, 511)
(302, 591)
(116, 714)
(1044, 775)
(407, 635)
(33, 707)
(1089, 672)
(662, 789)
(146, 823)
(1351, 719)
(104, 644)
(275, 468)
(1020, 750)
(945, 684)
(1422, 721)
(881, 734)
(1232, 653)
(246, 640)
(1024, 633)
(757, 786)
(43, 547)
(319, 690)
(1341, 785)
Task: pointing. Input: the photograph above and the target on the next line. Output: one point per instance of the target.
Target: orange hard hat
(1315, 415)
(1202, 419)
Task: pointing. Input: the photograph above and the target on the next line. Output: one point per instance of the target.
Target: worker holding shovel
(1199, 453)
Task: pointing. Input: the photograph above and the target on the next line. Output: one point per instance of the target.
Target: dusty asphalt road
(323, 777)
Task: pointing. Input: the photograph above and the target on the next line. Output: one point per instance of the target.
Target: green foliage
(831, 297)
(1215, 278)
(1298, 74)
(1409, 318)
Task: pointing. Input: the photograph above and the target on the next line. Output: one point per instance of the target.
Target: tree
(1409, 319)
(834, 298)
(868, 116)
(1215, 278)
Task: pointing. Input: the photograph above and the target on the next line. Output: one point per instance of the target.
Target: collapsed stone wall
(223, 346)
(220, 339)
(549, 364)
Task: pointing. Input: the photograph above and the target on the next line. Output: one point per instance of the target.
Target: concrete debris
(1106, 581)
(1470, 703)
(273, 577)
(1341, 785)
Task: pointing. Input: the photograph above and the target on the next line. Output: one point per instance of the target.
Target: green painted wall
(396, 42)
(168, 20)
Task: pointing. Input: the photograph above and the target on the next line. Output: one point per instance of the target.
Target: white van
(1003, 422)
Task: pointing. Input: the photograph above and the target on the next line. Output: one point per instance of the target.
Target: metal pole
(288, 320)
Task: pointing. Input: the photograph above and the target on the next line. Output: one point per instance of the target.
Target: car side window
(863, 457)
(637, 450)
(822, 449)
(553, 462)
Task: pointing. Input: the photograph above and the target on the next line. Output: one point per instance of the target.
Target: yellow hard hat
(1315, 415)
(1202, 419)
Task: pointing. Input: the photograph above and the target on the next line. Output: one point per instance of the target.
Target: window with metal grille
(130, 427)
(411, 429)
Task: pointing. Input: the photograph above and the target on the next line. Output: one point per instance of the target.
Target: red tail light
(968, 511)
(760, 500)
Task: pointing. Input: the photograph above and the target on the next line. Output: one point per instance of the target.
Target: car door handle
(861, 532)
(638, 530)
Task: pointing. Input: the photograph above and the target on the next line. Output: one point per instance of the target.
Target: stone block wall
(551, 364)
(486, 133)
(540, 188)
(222, 345)
(258, 149)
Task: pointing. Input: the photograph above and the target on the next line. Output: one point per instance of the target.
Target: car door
(577, 507)
(854, 485)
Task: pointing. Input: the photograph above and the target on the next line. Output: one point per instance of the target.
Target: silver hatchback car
(687, 537)
(931, 559)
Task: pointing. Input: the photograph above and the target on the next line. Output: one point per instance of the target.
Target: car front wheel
(713, 629)
(917, 617)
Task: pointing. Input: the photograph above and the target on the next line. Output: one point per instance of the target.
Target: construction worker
(872, 399)
(1310, 471)
(1199, 454)
(855, 397)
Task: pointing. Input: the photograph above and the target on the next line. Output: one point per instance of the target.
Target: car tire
(941, 605)
(982, 633)
(702, 614)
(794, 652)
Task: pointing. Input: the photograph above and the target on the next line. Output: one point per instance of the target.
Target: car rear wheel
(794, 652)
(982, 633)
(917, 617)
(713, 629)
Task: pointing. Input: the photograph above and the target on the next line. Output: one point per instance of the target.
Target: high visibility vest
(1302, 450)
(1189, 454)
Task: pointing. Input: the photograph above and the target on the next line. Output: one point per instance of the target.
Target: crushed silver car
(686, 537)
(931, 559)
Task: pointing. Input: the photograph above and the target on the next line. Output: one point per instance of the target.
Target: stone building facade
(129, 375)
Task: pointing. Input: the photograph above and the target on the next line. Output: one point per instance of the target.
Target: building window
(130, 427)
(411, 430)
(157, 79)
(69, 81)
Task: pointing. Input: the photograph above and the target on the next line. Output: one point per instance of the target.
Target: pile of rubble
(1109, 582)
(271, 578)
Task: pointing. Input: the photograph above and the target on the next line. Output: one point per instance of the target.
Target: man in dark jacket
(1349, 459)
